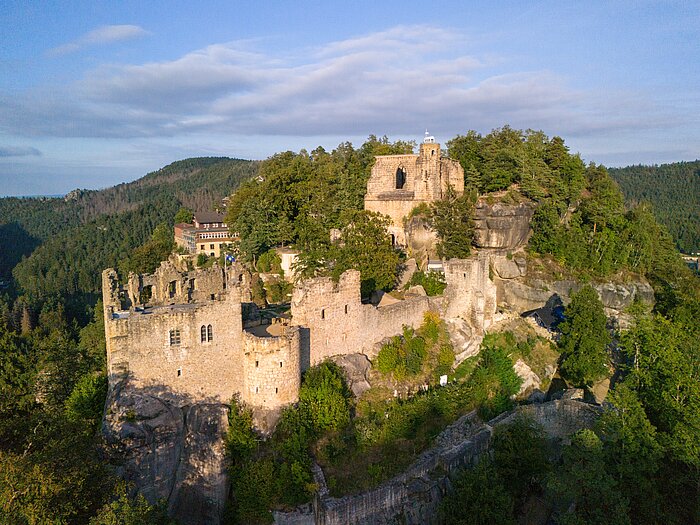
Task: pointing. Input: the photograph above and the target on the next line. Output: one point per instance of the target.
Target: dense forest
(674, 192)
(640, 464)
(57, 248)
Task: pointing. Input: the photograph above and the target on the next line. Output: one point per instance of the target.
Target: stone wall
(413, 496)
(470, 293)
(334, 321)
(427, 176)
(272, 369)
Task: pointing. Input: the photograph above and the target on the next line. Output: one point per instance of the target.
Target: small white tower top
(429, 139)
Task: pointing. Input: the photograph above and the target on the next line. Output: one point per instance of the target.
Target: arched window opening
(203, 334)
(400, 178)
(210, 333)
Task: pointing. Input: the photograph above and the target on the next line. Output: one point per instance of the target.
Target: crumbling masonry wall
(335, 322)
(199, 351)
(425, 178)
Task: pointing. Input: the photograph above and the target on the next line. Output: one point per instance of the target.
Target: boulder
(530, 379)
(356, 368)
(505, 268)
(502, 227)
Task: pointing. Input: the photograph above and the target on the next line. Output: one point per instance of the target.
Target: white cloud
(100, 36)
(397, 81)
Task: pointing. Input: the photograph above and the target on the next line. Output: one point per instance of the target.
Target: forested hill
(674, 191)
(67, 242)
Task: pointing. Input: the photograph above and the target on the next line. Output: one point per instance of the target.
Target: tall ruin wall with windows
(196, 350)
(399, 183)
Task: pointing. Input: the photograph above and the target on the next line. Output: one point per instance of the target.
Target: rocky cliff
(502, 228)
(171, 450)
(518, 292)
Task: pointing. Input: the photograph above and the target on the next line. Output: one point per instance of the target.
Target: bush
(432, 282)
(270, 262)
(87, 400)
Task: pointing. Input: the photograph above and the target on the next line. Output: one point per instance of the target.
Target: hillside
(674, 191)
(58, 247)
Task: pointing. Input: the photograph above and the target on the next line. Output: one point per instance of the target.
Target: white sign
(443, 380)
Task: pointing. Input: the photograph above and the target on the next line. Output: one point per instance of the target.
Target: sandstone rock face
(356, 368)
(171, 451)
(421, 240)
(410, 267)
(518, 296)
(530, 379)
(508, 268)
(502, 227)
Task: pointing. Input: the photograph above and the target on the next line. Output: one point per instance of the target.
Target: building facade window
(203, 334)
(210, 333)
(323, 313)
(175, 337)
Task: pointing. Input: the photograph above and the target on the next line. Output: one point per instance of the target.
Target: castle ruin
(399, 183)
(190, 338)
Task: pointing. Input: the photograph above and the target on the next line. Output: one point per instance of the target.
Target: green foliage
(674, 192)
(520, 457)
(270, 262)
(666, 377)
(479, 497)
(278, 291)
(366, 246)
(494, 381)
(125, 510)
(325, 397)
(585, 492)
(240, 438)
(403, 355)
(184, 216)
(277, 473)
(452, 220)
(87, 400)
(432, 282)
(584, 339)
(496, 489)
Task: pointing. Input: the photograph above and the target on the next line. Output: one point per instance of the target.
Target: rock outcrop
(502, 227)
(171, 450)
(616, 297)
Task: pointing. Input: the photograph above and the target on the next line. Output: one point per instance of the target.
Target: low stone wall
(413, 496)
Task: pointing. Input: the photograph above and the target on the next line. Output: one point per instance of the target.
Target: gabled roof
(207, 217)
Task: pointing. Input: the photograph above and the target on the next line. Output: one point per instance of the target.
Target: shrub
(87, 400)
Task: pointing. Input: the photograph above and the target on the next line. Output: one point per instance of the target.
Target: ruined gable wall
(138, 348)
(330, 315)
(271, 369)
(335, 322)
(194, 285)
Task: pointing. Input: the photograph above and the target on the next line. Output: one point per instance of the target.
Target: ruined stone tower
(399, 183)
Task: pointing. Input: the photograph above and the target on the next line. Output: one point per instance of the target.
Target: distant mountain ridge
(60, 246)
(673, 190)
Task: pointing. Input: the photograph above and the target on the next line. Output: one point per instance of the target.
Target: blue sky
(96, 93)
